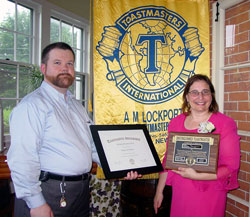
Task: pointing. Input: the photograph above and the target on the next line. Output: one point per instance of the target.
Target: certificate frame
(132, 143)
(196, 150)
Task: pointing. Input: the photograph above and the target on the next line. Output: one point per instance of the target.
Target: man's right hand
(41, 211)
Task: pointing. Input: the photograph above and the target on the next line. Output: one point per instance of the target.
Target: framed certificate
(196, 150)
(122, 148)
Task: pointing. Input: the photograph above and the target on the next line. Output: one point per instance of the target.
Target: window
(15, 82)
(16, 34)
(70, 34)
(24, 30)
(16, 55)
(65, 30)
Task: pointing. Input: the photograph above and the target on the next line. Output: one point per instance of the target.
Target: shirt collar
(54, 92)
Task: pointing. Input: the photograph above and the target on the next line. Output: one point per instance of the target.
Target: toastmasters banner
(144, 52)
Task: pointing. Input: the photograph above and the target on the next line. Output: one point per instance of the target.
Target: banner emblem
(150, 53)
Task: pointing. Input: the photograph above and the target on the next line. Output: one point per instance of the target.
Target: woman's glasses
(195, 93)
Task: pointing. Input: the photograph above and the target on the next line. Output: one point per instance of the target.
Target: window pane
(77, 38)
(7, 15)
(36, 77)
(23, 49)
(8, 105)
(6, 45)
(78, 60)
(79, 87)
(67, 33)
(24, 21)
(25, 81)
(54, 30)
(8, 77)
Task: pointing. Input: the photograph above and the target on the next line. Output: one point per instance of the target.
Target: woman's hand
(132, 175)
(190, 173)
(157, 201)
(159, 191)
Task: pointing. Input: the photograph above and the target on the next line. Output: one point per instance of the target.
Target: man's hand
(132, 175)
(41, 211)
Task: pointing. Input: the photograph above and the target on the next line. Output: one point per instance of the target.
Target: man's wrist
(35, 201)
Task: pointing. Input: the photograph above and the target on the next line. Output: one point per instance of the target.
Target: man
(51, 142)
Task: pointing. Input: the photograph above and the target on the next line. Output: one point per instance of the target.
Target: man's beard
(63, 80)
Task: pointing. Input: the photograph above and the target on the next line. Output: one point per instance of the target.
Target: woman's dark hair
(59, 45)
(198, 77)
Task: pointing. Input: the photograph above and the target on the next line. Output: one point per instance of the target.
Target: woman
(202, 194)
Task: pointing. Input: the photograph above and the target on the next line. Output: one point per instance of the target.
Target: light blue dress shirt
(49, 132)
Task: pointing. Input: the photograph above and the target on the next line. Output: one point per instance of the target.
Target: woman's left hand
(189, 173)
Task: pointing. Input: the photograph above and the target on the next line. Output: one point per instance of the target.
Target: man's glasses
(195, 93)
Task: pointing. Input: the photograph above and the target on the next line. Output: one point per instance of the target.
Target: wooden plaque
(196, 150)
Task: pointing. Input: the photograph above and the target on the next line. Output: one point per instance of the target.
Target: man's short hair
(59, 45)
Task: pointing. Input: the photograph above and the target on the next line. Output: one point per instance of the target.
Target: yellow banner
(144, 51)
